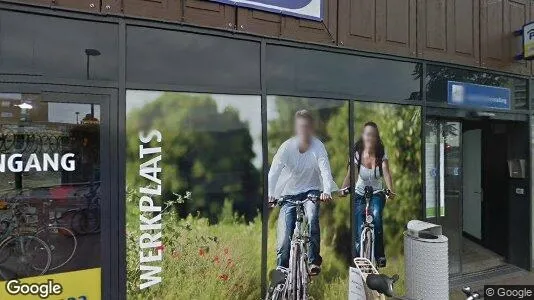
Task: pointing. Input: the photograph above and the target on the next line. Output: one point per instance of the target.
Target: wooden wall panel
(396, 22)
(357, 24)
(313, 31)
(517, 15)
(276, 25)
(387, 26)
(499, 19)
(88, 5)
(111, 6)
(448, 30)
(492, 46)
(210, 14)
(36, 2)
(259, 22)
(169, 10)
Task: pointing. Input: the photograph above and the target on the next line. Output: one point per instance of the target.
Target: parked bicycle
(22, 254)
(86, 220)
(61, 240)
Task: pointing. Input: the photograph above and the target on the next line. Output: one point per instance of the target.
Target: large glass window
(438, 76)
(38, 45)
(290, 70)
(193, 208)
(388, 156)
(50, 190)
(295, 171)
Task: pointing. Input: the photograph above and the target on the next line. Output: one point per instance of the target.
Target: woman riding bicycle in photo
(372, 169)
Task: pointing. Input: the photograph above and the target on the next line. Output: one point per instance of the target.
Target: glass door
(443, 176)
(53, 187)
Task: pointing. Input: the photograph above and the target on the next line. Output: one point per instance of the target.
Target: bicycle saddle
(382, 283)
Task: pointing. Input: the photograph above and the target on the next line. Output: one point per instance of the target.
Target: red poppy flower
(160, 247)
(201, 252)
(224, 277)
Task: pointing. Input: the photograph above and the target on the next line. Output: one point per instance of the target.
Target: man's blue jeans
(286, 226)
(376, 206)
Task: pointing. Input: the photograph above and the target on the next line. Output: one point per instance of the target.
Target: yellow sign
(77, 285)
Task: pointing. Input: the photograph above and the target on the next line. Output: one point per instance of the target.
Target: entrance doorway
(469, 190)
(54, 170)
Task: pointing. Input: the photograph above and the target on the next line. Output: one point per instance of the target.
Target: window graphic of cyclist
(372, 169)
(300, 167)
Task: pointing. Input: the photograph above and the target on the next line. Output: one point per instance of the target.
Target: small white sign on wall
(528, 41)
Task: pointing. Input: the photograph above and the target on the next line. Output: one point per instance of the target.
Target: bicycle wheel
(304, 276)
(367, 244)
(86, 221)
(292, 292)
(28, 256)
(62, 243)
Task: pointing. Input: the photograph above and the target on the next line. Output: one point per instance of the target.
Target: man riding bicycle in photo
(372, 171)
(300, 167)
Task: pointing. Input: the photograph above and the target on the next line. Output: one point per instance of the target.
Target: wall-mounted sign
(528, 41)
(307, 9)
(477, 95)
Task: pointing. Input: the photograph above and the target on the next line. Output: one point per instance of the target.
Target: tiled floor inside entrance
(484, 267)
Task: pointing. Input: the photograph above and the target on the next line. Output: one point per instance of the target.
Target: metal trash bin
(426, 261)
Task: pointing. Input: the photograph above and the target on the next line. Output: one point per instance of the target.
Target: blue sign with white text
(477, 95)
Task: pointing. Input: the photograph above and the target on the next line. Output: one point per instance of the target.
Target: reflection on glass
(431, 169)
(209, 194)
(330, 123)
(444, 182)
(438, 76)
(49, 186)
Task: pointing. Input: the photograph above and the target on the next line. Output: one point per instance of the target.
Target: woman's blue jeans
(376, 206)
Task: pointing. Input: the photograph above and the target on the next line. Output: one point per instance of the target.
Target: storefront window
(388, 157)
(290, 70)
(438, 76)
(55, 47)
(50, 191)
(193, 166)
(321, 168)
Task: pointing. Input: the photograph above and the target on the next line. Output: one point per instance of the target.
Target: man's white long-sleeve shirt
(293, 172)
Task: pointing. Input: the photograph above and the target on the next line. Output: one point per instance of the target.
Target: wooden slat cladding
(271, 24)
(211, 14)
(518, 12)
(87, 5)
(378, 25)
(90, 5)
(312, 31)
(499, 19)
(448, 30)
(259, 22)
(169, 10)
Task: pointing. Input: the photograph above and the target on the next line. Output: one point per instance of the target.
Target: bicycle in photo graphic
(367, 236)
(292, 283)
